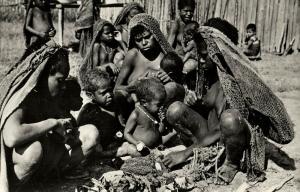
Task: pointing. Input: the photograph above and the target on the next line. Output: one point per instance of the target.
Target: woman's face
(186, 14)
(145, 41)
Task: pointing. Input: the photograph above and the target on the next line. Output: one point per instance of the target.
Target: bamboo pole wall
(277, 21)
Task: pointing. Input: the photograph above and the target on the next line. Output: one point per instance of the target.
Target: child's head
(189, 30)
(172, 64)
(151, 93)
(106, 34)
(71, 99)
(186, 9)
(99, 87)
(143, 38)
(251, 29)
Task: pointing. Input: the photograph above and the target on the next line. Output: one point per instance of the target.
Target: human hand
(43, 35)
(163, 77)
(52, 32)
(63, 126)
(191, 98)
(174, 158)
(118, 36)
(114, 68)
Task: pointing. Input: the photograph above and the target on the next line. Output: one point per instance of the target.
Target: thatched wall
(278, 21)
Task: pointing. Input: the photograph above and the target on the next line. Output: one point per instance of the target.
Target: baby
(143, 129)
(189, 47)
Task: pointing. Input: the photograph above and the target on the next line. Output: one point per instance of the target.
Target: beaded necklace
(147, 114)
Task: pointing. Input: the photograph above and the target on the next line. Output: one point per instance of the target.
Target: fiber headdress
(15, 87)
(245, 91)
(87, 63)
(121, 19)
(151, 24)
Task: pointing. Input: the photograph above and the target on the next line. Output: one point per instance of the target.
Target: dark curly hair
(225, 27)
(183, 3)
(147, 89)
(251, 26)
(173, 65)
(95, 79)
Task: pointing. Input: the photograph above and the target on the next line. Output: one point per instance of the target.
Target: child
(143, 128)
(38, 25)
(189, 47)
(252, 43)
(100, 111)
(107, 53)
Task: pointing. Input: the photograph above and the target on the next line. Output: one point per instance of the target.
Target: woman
(32, 132)
(228, 101)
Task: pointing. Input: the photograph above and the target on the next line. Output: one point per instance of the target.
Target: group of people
(143, 91)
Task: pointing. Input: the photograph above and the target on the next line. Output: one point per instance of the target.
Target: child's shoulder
(89, 107)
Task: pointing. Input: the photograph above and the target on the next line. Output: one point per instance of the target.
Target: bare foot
(227, 173)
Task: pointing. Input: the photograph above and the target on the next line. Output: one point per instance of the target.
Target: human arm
(126, 70)
(30, 29)
(16, 132)
(52, 31)
(173, 33)
(130, 127)
(175, 158)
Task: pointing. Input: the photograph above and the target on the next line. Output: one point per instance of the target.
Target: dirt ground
(282, 74)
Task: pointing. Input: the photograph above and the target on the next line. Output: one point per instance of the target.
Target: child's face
(131, 14)
(104, 95)
(145, 41)
(107, 34)
(186, 14)
(155, 104)
(250, 33)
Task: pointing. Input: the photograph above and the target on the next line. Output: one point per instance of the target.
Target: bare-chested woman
(147, 48)
(32, 133)
(224, 105)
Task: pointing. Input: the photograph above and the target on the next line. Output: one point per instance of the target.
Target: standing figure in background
(122, 21)
(87, 14)
(38, 27)
(252, 43)
(186, 12)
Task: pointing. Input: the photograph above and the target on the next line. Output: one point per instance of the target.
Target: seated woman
(223, 104)
(147, 47)
(126, 14)
(105, 52)
(32, 133)
(186, 12)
